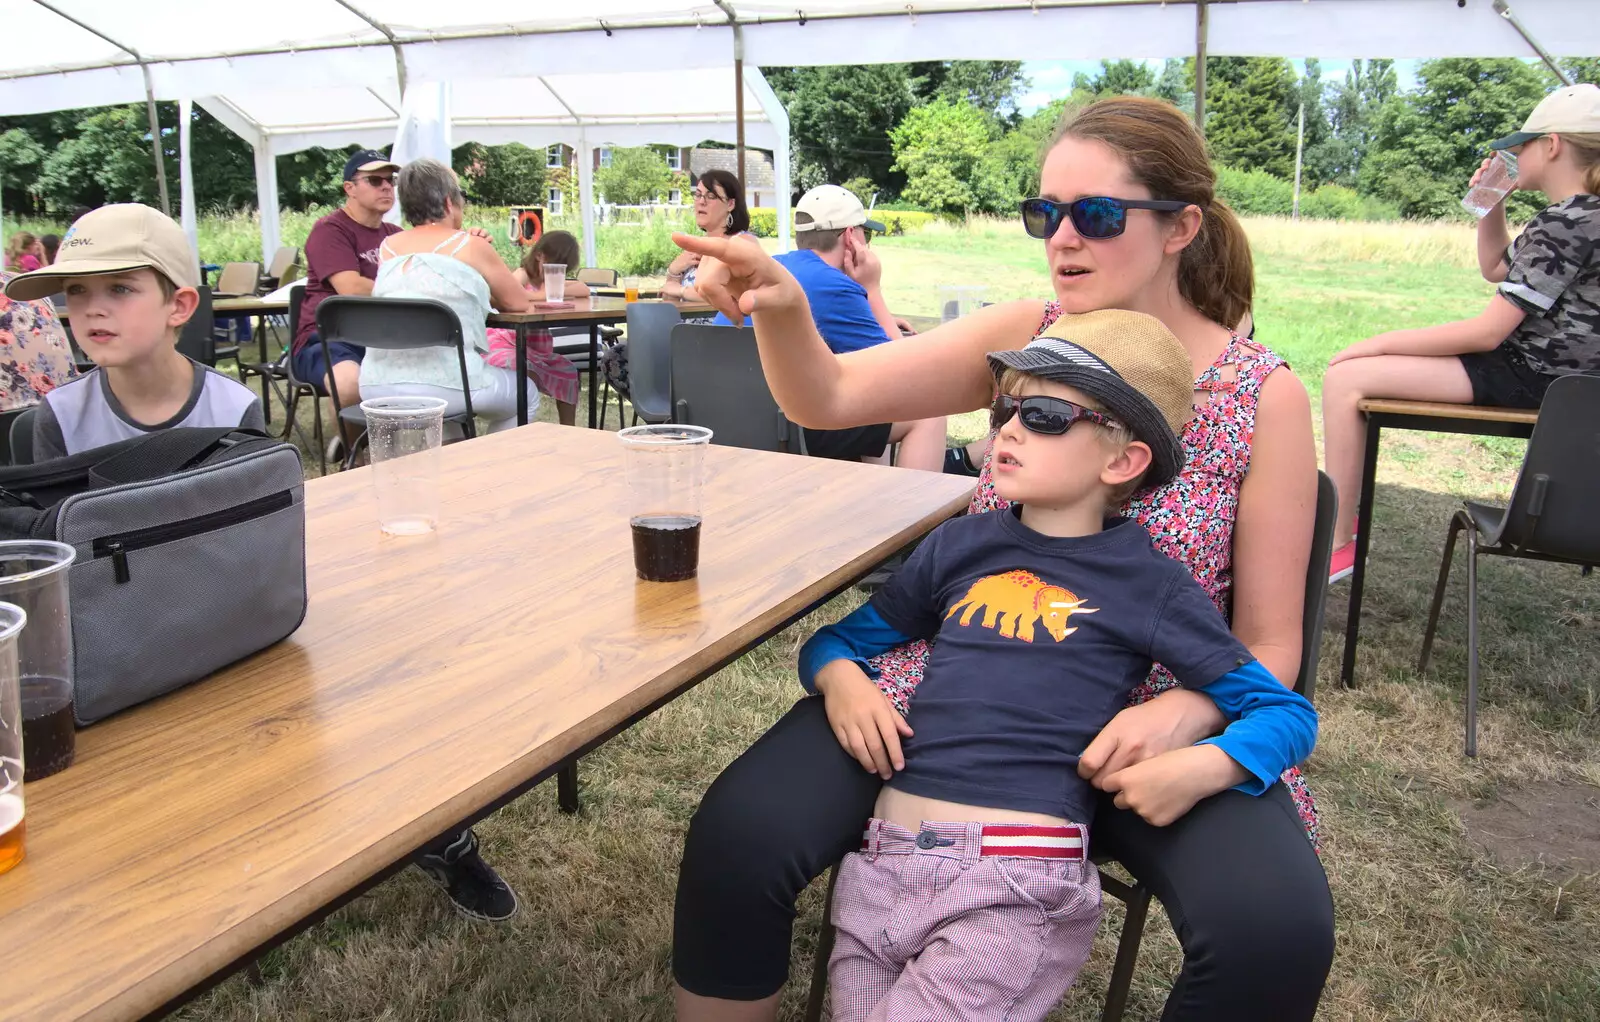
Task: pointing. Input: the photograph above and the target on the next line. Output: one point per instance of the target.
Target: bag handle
(166, 452)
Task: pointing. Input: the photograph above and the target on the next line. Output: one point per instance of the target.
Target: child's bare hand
(865, 722)
(1161, 789)
(1483, 168)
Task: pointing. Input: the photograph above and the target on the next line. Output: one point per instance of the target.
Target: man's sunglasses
(1050, 416)
(378, 180)
(1096, 217)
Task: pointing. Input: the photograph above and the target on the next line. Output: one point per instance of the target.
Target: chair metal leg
(1138, 901)
(1472, 643)
(819, 967)
(354, 452)
(1457, 523)
(567, 787)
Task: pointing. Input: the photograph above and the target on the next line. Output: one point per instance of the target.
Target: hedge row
(1258, 193)
(764, 221)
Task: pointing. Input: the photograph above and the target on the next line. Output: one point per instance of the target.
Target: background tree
(505, 175)
(1247, 124)
(19, 156)
(990, 85)
(1428, 142)
(636, 176)
(840, 119)
(1312, 93)
(1117, 78)
(944, 150)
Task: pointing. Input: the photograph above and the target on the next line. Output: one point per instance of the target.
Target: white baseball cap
(113, 239)
(1573, 108)
(831, 208)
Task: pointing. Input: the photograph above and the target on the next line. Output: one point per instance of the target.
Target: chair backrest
(1317, 586)
(291, 273)
(21, 436)
(717, 382)
(650, 327)
(398, 323)
(8, 417)
(285, 257)
(196, 339)
(595, 276)
(239, 279)
(1552, 509)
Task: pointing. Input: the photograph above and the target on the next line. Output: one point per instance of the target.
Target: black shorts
(311, 367)
(1501, 379)
(848, 444)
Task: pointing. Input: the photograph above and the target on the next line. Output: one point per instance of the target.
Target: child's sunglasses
(1050, 416)
(1096, 217)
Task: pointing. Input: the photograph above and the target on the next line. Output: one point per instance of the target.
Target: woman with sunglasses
(720, 212)
(1130, 221)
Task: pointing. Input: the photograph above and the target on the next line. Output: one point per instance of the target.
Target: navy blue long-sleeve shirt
(1040, 640)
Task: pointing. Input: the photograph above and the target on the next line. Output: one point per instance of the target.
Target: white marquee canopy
(274, 71)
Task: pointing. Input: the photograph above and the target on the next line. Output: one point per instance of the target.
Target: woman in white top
(437, 259)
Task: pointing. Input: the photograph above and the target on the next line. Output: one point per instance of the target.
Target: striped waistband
(1002, 839)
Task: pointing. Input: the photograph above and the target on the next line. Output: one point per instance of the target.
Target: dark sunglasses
(1050, 416)
(1096, 217)
(378, 180)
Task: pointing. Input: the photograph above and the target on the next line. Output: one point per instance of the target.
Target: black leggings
(1245, 892)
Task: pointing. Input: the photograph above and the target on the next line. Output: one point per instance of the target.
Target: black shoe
(474, 886)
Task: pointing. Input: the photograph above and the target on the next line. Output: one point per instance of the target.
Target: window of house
(553, 202)
(675, 159)
(675, 197)
(552, 157)
(605, 156)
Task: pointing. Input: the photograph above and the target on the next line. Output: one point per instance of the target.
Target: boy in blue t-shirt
(972, 896)
(130, 279)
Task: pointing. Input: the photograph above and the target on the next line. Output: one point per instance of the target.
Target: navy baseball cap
(367, 159)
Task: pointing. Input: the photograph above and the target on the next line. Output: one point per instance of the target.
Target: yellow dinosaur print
(1016, 601)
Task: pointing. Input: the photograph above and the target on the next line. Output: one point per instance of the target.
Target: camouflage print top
(1554, 277)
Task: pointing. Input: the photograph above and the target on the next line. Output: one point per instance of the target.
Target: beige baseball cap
(113, 239)
(831, 208)
(1574, 108)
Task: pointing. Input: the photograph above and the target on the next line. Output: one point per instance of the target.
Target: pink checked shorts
(961, 921)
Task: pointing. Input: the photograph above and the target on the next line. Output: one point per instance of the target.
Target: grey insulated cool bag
(191, 555)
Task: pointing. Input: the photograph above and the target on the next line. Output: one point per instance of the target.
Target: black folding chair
(1136, 896)
(716, 381)
(197, 338)
(1550, 517)
(649, 382)
(20, 434)
(393, 323)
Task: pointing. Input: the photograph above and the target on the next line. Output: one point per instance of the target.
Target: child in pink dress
(553, 374)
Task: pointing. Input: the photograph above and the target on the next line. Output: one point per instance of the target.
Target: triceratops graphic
(1023, 600)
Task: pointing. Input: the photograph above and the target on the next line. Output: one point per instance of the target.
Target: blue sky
(1052, 79)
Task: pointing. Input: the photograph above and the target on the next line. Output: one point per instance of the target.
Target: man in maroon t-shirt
(342, 259)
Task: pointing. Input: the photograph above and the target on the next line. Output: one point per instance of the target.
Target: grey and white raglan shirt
(1553, 275)
(85, 414)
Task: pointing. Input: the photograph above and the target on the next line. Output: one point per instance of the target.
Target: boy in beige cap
(973, 896)
(130, 280)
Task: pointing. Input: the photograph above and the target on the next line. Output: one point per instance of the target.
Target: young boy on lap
(130, 279)
(972, 896)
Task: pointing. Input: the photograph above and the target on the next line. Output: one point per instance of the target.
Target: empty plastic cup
(1499, 179)
(957, 300)
(12, 829)
(405, 434)
(33, 576)
(555, 282)
(665, 467)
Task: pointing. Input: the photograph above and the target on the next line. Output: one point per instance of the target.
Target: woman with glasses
(1130, 220)
(720, 212)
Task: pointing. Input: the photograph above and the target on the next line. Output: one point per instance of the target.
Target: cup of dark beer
(665, 467)
(11, 756)
(33, 576)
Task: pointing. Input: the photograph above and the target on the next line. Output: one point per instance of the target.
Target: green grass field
(1446, 911)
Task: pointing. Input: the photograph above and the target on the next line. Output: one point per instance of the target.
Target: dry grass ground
(1433, 925)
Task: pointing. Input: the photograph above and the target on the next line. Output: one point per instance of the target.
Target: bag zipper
(117, 546)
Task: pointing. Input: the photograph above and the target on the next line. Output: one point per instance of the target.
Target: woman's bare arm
(1272, 533)
(937, 373)
(504, 291)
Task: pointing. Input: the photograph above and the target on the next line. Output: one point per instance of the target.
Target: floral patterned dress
(35, 357)
(1190, 519)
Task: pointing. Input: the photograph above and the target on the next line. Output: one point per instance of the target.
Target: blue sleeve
(859, 637)
(1271, 727)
